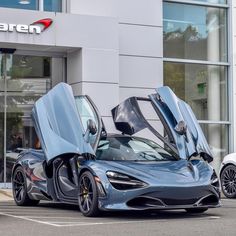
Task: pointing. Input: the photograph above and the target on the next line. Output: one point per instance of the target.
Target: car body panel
(229, 159)
(58, 125)
(194, 141)
(177, 184)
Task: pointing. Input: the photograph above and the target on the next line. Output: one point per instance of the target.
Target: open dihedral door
(60, 121)
(185, 135)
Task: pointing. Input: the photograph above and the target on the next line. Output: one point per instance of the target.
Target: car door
(185, 135)
(60, 121)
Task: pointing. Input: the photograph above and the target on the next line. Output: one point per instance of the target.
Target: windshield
(131, 149)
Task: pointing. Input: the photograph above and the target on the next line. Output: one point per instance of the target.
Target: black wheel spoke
(84, 205)
(17, 182)
(87, 204)
(18, 193)
(90, 201)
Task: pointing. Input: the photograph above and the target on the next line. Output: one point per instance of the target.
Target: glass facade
(47, 5)
(23, 79)
(20, 4)
(53, 5)
(196, 65)
(203, 87)
(190, 31)
(218, 138)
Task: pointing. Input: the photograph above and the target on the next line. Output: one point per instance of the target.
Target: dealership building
(114, 49)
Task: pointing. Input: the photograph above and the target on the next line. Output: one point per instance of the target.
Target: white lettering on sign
(22, 28)
(33, 28)
(3, 27)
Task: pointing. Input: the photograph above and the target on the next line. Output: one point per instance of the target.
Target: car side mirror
(91, 129)
(91, 126)
(181, 128)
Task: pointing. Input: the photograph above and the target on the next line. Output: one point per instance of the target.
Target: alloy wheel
(19, 189)
(88, 195)
(228, 181)
(18, 186)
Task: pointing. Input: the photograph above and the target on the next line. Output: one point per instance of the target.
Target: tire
(228, 181)
(19, 189)
(196, 210)
(88, 195)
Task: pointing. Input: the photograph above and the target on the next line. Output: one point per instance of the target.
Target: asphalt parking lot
(57, 219)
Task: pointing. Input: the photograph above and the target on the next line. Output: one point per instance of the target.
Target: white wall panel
(86, 31)
(146, 109)
(109, 125)
(74, 66)
(140, 40)
(147, 12)
(100, 65)
(104, 95)
(91, 7)
(141, 72)
(129, 92)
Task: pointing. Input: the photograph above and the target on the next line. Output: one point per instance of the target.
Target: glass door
(23, 79)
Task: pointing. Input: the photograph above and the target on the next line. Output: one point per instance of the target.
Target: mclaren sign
(35, 28)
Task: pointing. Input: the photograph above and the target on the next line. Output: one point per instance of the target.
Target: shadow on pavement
(133, 215)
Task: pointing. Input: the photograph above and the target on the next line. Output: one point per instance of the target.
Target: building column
(95, 72)
(213, 95)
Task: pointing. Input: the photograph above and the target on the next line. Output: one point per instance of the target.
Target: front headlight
(124, 182)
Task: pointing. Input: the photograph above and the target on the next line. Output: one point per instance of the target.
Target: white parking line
(84, 223)
(228, 200)
(24, 218)
(52, 217)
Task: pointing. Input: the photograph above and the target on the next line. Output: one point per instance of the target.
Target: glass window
(21, 4)
(217, 136)
(27, 79)
(203, 87)
(194, 32)
(86, 112)
(131, 149)
(53, 5)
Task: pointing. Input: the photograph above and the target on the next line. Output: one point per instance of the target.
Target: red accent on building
(45, 22)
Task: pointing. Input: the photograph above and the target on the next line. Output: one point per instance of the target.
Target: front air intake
(210, 200)
(145, 202)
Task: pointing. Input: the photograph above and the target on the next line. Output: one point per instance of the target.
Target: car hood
(165, 172)
(181, 126)
(58, 125)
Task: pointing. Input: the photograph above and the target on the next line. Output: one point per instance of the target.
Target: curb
(7, 192)
(6, 195)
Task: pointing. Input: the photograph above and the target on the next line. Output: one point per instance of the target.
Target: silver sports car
(80, 163)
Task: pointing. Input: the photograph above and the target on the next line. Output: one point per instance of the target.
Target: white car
(228, 175)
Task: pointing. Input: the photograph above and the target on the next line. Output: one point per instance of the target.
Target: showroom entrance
(23, 79)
